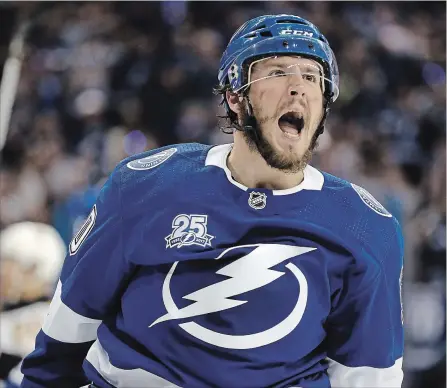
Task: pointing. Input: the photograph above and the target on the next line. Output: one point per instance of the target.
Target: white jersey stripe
(123, 378)
(342, 376)
(65, 325)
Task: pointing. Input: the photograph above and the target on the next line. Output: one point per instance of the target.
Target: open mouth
(291, 123)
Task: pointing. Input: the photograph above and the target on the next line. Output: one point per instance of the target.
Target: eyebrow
(305, 68)
(311, 69)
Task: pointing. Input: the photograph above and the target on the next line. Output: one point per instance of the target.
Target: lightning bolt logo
(248, 273)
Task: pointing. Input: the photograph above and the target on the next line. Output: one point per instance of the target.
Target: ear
(234, 101)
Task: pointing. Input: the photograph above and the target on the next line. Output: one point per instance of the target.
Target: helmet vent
(291, 21)
(250, 35)
(259, 28)
(266, 34)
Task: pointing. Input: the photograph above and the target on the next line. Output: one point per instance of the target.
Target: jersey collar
(217, 156)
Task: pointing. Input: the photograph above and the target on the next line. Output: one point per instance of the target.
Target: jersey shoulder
(169, 163)
(360, 216)
(357, 199)
(177, 154)
(164, 172)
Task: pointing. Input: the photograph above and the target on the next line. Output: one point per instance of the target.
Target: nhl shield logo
(257, 200)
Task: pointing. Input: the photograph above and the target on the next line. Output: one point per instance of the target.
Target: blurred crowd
(102, 81)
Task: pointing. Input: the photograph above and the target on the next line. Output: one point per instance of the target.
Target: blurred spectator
(32, 254)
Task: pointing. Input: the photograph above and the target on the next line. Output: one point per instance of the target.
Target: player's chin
(291, 155)
(295, 144)
(293, 147)
(289, 164)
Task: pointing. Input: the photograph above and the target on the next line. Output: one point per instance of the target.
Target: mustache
(263, 119)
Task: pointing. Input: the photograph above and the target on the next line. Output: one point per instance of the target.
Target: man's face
(288, 109)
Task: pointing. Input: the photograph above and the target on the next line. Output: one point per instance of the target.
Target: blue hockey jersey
(182, 277)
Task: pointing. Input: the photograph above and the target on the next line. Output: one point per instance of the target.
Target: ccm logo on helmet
(296, 32)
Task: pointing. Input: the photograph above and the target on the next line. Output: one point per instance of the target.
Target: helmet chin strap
(320, 128)
(249, 123)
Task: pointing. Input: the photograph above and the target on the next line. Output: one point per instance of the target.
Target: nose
(296, 85)
(296, 92)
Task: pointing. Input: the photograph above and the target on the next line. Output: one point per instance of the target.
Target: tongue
(288, 127)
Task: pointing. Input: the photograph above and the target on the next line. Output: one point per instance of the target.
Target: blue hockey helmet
(271, 35)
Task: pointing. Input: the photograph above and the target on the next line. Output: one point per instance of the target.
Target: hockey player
(31, 255)
(237, 265)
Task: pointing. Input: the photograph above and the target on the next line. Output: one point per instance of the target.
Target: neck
(250, 169)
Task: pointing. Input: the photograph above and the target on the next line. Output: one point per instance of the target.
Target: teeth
(289, 131)
(291, 125)
(289, 128)
(291, 135)
(292, 119)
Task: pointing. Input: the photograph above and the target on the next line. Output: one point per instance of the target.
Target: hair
(230, 118)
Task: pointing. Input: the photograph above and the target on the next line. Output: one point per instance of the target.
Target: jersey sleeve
(365, 330)
(92, 277)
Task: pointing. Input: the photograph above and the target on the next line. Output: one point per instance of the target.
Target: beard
(257, 142)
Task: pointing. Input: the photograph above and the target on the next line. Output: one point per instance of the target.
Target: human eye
(310, 77)
(277, 72)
